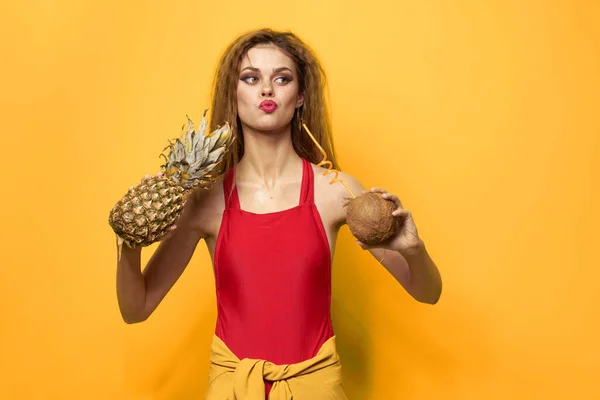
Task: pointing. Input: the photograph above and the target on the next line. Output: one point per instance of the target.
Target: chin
(267, 123)
(271, 127)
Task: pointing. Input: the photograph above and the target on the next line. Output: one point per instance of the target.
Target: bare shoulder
(331, 193)
(204, 206)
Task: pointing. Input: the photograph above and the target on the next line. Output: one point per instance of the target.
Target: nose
(267, 91)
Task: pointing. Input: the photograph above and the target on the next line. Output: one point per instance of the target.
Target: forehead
(267, 57)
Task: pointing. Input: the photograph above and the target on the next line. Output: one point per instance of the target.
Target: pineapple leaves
(179, 151)
(192, 156)
(203, 125)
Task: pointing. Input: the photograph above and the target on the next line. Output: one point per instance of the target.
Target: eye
(282, 80)
(249, 79)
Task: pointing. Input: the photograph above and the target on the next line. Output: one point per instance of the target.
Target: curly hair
(312, 84)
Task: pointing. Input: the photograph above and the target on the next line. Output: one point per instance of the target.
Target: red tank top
(273, 279)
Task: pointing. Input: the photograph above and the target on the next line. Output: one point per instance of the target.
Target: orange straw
(328, 163)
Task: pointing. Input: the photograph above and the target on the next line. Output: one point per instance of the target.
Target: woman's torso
(273, 277)
(319, 223)
(281, 313)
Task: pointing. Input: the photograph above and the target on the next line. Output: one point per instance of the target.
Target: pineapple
(149, 209)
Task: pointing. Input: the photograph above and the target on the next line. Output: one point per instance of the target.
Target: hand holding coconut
(378, 220)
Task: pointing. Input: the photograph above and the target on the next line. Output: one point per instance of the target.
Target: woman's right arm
(140, 292)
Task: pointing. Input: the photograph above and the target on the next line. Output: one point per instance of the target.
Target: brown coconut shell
(369, 218)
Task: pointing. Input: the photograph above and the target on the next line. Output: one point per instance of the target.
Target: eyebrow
(275, 70)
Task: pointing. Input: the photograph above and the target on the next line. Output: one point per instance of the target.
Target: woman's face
(267, 91)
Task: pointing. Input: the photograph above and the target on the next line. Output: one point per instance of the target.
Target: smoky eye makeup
(280, 79)
(283, 79)
(248, 78)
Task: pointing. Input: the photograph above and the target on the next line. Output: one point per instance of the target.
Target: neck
(268, 156)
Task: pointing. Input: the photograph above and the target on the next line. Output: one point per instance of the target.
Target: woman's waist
(310, 377)
(280, 339)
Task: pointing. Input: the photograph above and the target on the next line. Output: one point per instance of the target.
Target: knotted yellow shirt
(318, 378)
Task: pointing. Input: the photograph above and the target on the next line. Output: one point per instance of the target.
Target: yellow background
(482, 115)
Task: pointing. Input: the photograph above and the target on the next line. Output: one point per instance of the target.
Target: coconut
(369, 218)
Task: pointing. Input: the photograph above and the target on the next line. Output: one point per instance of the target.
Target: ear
(300, 100)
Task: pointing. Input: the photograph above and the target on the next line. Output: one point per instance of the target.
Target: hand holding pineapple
(148, 211)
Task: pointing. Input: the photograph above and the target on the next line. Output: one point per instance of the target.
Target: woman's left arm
(413, 268)
(404, 255)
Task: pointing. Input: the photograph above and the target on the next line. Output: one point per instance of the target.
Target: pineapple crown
(194, 155)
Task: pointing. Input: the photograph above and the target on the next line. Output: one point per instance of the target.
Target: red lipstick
(268, 106)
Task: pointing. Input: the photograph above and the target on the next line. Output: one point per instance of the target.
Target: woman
(270, 224)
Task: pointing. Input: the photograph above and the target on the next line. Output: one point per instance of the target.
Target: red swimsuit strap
(231, 196)
(307, 191)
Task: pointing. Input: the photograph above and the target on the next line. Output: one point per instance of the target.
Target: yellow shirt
(318, 378)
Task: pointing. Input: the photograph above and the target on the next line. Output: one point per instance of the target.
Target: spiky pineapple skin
(147, 211)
